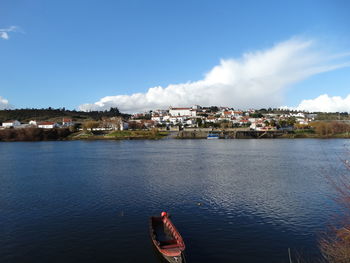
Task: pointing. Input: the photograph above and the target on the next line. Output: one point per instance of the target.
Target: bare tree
(335, 243)
(90, 125)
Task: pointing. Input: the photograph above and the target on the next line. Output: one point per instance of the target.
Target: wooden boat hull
(166, 239)
(164, 259)
(174, 259)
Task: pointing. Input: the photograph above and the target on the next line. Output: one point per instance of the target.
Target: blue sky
(68, 53)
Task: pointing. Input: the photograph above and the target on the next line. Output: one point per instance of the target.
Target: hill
(25, 115)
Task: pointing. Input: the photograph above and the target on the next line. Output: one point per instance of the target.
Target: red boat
(167, 239)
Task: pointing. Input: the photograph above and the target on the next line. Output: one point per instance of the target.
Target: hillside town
(224, 117)
(178, 118)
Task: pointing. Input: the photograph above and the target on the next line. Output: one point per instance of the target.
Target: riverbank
(36, 134)
(248, 134)
(119, 135)
(64, 134)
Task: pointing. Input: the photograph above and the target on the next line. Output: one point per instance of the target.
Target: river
(232, 200)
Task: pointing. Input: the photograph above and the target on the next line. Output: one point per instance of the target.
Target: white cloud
(325, 103)
(4, 32)
(4, 104)
(257, 79)
(4, 35)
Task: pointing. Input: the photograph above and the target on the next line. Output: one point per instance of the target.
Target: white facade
(299, 115)
(176, 120)
(258, 126)
(302, 121)
(47, 125)
(67, 122)
(9, 124)
(157, 119)
(211, 119)
(124, 126)
(237, 114)
(166, 118)
(196, 107)
(190, 122)
(182, 112)
(33, 123)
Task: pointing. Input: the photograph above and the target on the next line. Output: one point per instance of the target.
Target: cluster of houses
(33, 123)
(213, 116)
(113, 123)
(191, 117)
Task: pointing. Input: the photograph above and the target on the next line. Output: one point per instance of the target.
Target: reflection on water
(232, 200)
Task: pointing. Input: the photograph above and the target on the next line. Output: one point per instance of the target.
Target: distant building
(227, 113)
(67, 122)
(157, 118)
(212, 119)
(33, 123)
(258, 126)
(196, 107)
(299, 115)
(190, 122)
(182, 112)
(124, 126)
(47, 125)
(12, 123)
(302, 121)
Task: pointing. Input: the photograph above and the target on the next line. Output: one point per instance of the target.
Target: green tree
(199, 122)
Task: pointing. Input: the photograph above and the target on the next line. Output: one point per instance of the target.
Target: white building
(47, 125)
(182, 112)
(252, 120)
(124, 126)
(196, 107)
(190, 122)
(238, 113)
(33, 123)
(67, 122)
(257, 126)
(212, 119)
(157, 118)
(9, 124)
(166, 118)
(299, 115)
(177, 119)
(302, 121)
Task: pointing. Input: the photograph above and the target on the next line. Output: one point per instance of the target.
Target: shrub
(335, 243)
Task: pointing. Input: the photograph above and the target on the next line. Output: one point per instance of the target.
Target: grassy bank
(142, 134)
(312, 134)
(120, 135)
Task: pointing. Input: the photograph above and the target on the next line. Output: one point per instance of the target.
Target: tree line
(50, 113)
(34, 134)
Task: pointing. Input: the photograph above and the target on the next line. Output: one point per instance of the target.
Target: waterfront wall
(229, 134)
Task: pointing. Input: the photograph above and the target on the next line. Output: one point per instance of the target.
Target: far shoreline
(39, 135)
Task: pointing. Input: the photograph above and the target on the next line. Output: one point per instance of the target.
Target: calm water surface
(232, 200)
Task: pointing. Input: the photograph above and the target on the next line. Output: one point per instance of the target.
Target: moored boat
(213, 136)
(166, 238)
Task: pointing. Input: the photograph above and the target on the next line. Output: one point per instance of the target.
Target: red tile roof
(46, 123)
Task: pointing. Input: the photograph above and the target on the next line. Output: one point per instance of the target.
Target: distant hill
(25, 115)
